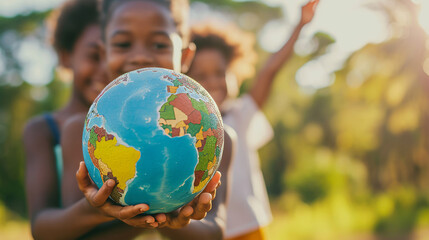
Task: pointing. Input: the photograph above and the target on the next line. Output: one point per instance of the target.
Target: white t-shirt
(248, 205)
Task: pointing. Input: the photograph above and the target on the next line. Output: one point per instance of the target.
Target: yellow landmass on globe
(104, 169)
(200, 135)
(179, 117)
(210, 165)
(198, 144)
(117, 159)
(200, 186)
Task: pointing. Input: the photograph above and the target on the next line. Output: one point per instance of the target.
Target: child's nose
(100, 75)
(141, 57)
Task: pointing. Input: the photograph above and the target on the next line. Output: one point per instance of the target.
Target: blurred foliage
(25, 23)
(261, 10)
(360, 144)
(346, 160)
(18, 103)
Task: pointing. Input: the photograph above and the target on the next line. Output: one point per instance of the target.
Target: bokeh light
(38, 61)
(424, 14)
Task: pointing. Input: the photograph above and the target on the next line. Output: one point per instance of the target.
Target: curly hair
(234, 44)
(69, 21)
(178, 8)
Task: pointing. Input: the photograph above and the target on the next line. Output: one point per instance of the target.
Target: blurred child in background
(76, 36)
(224, 57)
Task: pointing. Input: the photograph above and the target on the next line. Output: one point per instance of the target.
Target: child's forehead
(141, 7)
(142, 13)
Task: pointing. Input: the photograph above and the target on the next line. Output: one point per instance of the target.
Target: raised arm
(264, 79)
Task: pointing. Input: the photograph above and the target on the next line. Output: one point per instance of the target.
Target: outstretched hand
(197, 209)
(307, 11)
(98, 199)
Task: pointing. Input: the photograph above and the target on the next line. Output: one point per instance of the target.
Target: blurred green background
(350, 111)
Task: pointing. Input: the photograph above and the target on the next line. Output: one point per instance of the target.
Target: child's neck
(77, 104)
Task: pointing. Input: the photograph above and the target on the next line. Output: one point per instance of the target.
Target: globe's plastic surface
(158, 134)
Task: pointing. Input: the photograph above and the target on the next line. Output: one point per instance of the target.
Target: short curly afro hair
(234, 44)
(68, 22)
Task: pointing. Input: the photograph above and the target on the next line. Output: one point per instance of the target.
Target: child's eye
(161, 45)
(94, 56)
(122, 44)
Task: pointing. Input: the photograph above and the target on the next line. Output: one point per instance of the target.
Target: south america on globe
(158, 134)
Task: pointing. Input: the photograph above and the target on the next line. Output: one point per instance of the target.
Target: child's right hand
(98, 199)
(197, 209)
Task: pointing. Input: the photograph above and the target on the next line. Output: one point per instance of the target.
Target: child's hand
(307, 11)
(98, 199)
(197, 209)
(203, 203)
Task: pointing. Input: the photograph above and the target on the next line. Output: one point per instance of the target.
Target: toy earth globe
(158, 134)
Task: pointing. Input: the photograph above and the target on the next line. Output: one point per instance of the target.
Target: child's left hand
(197, 209)
(307, 11)
(99, 200)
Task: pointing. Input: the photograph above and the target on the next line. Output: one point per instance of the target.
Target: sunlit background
(350, 159)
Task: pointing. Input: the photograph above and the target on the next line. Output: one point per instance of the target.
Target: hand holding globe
(98, 198)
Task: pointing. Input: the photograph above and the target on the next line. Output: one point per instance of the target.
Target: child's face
(209, 68)
(141, 34)
(89, 75)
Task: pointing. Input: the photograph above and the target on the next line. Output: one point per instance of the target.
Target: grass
(398, 214)
(13, 227)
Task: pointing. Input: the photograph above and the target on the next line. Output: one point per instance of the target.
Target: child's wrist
(96, 213)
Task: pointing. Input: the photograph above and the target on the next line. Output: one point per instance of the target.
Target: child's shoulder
(39, 140)
(38, 128)
(74, 125)
(72, 130)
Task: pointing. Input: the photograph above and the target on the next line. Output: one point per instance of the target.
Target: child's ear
(64, 58)
(188, 55)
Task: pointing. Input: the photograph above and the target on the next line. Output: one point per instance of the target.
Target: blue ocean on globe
(158, 134)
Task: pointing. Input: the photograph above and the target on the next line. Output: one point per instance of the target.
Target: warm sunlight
(330, 112)
(424, 15)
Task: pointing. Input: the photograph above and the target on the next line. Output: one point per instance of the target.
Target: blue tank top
(57, 146)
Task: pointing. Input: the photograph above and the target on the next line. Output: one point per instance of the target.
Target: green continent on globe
(108, 157)
(181, 115)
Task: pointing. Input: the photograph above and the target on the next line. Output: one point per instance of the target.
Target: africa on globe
(158, 134)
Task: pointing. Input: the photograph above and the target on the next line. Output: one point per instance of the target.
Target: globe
(158, 134)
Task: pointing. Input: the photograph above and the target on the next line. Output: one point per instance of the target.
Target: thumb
(82, 177)
(211, 186)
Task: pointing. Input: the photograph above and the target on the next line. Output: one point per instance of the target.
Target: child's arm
(265, 77)
(48, 221)
(213, 225)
